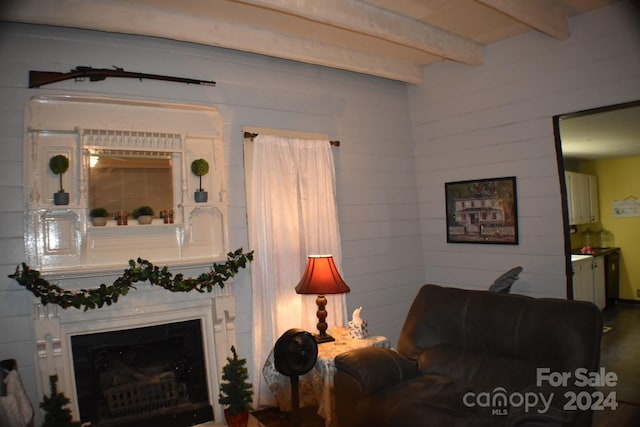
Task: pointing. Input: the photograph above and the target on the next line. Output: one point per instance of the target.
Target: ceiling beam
(363, 18)
(119, 18)
(540, 15)
(413, 8)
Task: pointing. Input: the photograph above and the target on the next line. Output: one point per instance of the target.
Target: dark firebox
(153, 376)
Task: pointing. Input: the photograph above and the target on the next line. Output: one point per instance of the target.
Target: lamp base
(323, 338)
(322, 335)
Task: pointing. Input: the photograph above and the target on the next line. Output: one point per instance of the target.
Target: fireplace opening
(151, 376)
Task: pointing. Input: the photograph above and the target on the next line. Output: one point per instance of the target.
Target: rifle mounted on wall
(41, 78)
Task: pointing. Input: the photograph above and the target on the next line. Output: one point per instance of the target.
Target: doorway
(604, 142)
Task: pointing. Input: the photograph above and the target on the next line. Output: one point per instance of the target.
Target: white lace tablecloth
(316, 386)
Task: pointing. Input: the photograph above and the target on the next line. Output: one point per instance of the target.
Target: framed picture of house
(482, 211)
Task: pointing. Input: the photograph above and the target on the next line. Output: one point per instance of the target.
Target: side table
(316, 386)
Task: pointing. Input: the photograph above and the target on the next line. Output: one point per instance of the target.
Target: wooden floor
(620, 354)
(272, 417)
(626, 415)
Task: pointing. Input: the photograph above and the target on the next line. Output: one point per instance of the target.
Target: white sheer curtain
(291, 214)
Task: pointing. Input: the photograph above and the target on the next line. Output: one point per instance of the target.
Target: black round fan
(295, 353)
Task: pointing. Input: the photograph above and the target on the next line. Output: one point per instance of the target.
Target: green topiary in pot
(98, 216)
(144, 214)
(141, 211)
(59, 164)
(98, 213)
(200, 167)
(235, 392)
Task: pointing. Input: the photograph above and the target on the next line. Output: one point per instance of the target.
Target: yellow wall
(619, 179)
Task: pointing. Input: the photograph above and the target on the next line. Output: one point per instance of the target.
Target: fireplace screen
(144, 376)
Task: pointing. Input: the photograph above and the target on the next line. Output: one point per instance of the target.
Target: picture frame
(482, 211)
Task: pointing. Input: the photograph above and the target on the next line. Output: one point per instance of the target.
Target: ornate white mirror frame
(62, 237)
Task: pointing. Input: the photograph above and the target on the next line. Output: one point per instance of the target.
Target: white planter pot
(145, 219)
(99, 221)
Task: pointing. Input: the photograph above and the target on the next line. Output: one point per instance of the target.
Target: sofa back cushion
(481, 369)
(558, 334)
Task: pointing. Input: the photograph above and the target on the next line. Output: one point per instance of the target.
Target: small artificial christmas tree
(235, 391)
(54, 406)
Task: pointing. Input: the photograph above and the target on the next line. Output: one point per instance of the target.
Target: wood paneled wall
(496, 120)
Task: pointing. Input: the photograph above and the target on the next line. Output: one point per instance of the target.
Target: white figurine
(357, 326)
(356, 315)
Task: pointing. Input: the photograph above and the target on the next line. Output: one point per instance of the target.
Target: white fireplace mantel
(61, 242)
(54, 328)
(62, 238)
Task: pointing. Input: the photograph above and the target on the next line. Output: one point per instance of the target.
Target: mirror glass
(121, 180)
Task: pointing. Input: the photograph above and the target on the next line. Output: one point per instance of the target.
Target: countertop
(596, 251)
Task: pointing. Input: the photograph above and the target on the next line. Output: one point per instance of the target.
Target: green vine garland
(139, 271)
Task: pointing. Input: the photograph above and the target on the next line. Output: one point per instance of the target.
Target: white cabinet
(582, 280)
(577, 194)
(589, 280)
(593, 199)
(582, 198)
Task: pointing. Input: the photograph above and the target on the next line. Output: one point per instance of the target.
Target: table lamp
(320, 278)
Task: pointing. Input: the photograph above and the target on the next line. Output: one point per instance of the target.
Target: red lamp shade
(320, 278)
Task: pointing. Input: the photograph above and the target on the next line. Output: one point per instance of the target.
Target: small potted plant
(235, 392)
(57, 413)
(59, 164)
(144, 214)
(200, 167)
(98, 216)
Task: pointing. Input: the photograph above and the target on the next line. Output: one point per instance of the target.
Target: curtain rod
(253, 135)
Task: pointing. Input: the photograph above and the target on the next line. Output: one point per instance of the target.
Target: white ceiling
(394, 39)
(603, 134)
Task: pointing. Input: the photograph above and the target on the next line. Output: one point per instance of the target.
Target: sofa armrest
(362, 372)
(375, 368)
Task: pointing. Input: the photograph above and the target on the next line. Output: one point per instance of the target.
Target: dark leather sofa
(471, 358)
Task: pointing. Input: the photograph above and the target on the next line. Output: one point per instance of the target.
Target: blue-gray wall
(378, 207)
(497, 120)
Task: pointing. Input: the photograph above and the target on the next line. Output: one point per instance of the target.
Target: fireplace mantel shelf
(88, 272)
